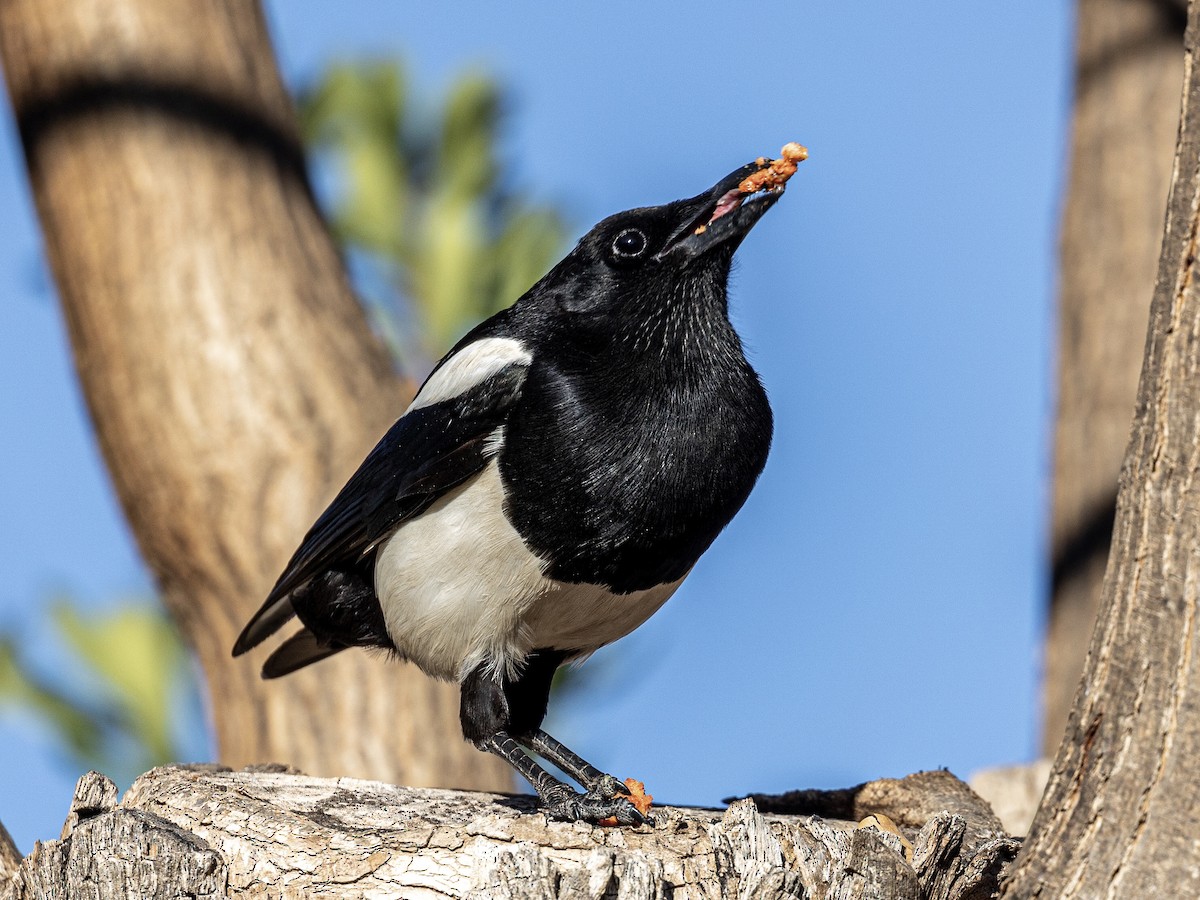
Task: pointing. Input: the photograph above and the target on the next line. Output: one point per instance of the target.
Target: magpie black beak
(722, 215)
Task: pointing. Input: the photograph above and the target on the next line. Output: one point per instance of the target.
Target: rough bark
(1129, 67)
(231, 376)
(10, 856)
(1118, 817)
(909, 802)
(209, 833)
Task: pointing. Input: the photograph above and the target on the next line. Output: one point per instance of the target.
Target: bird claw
(568, 806)
(606, 787)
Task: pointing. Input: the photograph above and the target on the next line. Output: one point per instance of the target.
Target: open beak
(725, 213)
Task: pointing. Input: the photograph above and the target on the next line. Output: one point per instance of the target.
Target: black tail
(338, 609)
(302, 649)
(275, 613)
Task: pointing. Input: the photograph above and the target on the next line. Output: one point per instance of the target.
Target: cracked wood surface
(1119, 815)
(209, 832)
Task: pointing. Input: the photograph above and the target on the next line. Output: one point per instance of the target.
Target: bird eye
(629, 243)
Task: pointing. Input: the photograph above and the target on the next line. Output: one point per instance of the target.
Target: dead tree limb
(208, 833)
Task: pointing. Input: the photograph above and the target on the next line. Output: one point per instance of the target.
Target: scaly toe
(606, 787)
(590, 808)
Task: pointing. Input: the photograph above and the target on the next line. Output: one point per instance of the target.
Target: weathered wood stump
(202, 832)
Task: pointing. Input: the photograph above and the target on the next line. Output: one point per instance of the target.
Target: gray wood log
(202, 832)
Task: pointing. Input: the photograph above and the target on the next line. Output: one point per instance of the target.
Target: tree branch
(205, 832)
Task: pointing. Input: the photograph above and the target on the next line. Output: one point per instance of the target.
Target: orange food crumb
(637, 796)
(774, 173)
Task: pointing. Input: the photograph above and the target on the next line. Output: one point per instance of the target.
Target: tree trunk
(196, 833)
(1119, 815)
(1129, 67)
(231, 376)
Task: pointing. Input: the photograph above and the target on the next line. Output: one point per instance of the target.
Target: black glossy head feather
(639, 272)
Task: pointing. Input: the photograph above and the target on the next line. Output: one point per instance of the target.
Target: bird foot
(606, 787)
(566, 805)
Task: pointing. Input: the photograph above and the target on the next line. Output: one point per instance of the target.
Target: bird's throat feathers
(677, 314)
(686, 319)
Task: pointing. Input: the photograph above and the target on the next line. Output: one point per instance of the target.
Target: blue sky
(876, 608)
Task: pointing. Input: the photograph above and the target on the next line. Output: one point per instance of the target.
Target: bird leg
(494, 710)
(559, 799)
(598, 784)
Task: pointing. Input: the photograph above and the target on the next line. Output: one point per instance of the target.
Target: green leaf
(466, 165)
(137, 656)
(79, 729)
(527, 247)
(424, 196)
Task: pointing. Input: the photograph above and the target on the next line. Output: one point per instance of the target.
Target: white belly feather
(459, 587)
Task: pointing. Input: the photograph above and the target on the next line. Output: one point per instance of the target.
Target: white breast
(459, 587)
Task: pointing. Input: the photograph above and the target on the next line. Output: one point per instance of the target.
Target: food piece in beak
(771, 176)
(775, 172)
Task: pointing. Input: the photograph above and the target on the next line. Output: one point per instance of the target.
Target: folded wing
(446, 436)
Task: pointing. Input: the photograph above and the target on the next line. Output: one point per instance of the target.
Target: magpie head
(639, 271)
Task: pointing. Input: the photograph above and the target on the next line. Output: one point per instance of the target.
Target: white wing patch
(471, 365)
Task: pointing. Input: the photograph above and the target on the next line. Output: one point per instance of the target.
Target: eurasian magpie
(553, 482)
